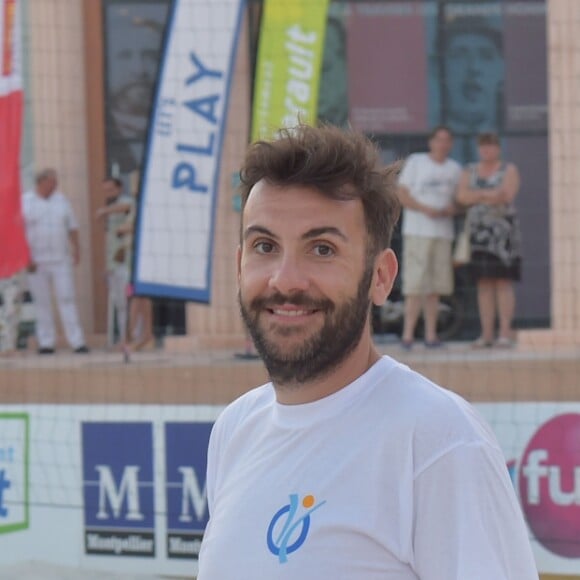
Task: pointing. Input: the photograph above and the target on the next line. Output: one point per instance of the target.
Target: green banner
(289, 63)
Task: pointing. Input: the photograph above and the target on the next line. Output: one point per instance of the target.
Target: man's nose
(473, 63)
(289, 275)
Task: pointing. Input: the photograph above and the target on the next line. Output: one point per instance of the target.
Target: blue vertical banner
(187, 510)
(118, 489)
(174, 228)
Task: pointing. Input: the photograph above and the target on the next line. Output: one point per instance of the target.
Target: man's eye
(264, 247)
(323, 250)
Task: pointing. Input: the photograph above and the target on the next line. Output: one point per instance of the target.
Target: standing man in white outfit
(347, 465)
(427, 189)
(53, 237)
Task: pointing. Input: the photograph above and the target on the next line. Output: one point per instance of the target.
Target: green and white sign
(14, 444)
(289, 63)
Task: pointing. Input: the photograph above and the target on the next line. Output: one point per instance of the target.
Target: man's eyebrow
(258, 230)
(325, 230)
(309, 235)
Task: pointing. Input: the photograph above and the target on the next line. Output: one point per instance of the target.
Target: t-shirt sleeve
(213, 453)
(406, 175)
(467, 521)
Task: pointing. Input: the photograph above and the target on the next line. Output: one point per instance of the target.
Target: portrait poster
(467, 72)
(387, 66)
(133, 46)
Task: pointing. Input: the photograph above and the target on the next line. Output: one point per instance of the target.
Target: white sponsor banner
(139, 505)
(13, 472)
(174, 229)
(76, 500)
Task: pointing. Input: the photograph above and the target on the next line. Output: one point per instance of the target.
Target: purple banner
(387, 67)
(526, 91)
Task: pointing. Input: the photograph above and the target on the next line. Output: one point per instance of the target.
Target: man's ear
(385, 272)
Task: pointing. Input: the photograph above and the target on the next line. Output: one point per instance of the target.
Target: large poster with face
(132, 55)
(473, 66)
(467, 72)
(469, 45)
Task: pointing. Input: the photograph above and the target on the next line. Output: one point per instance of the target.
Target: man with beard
(347, 464)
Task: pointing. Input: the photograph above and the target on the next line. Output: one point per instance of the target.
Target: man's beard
(320, 353)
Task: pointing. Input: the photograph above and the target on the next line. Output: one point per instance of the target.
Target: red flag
(14, 254)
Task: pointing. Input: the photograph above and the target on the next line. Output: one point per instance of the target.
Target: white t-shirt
(390, 478)
(48, 223)
(433, 184)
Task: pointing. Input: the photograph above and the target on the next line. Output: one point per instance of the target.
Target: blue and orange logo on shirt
(289, 527)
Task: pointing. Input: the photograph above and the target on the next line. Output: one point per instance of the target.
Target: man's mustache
(296, 299)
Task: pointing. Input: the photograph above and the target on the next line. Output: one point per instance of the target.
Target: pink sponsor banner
(540, 443)
(549, 486)
(387, 67)
(14, 254)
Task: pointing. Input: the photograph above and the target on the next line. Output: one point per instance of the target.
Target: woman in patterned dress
(489, 188)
